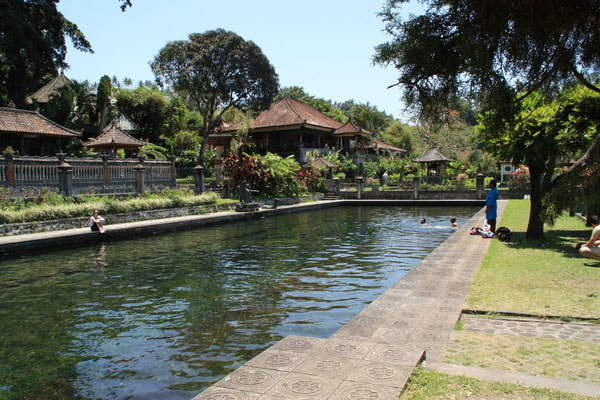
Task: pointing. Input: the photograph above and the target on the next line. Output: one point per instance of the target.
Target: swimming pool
(165, 316)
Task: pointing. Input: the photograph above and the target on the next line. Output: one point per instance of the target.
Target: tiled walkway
(533, 328)
(373, 355)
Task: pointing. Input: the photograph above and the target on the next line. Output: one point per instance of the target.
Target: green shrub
(20, 211)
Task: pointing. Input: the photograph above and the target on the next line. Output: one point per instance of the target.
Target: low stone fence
(80, 222)
(71, 175)
(430, 195)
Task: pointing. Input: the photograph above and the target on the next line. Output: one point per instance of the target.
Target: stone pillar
(336, 186)
(10, 170)
(219, 174)
(65, 179)
(416, 187)
(480, 189)
(360, 187)
(173, 174)
(139, 170)
(105, 169)
(199, 179)
(301, 158)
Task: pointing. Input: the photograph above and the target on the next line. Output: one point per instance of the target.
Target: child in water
(454, 224)
(423, 221)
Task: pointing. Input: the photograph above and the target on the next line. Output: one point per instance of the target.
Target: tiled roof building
(28, 131)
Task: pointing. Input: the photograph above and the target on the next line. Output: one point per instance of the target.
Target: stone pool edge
(17, 244)
(374, 354)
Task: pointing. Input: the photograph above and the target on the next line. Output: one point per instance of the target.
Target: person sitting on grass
(591, 249)
(97, 222)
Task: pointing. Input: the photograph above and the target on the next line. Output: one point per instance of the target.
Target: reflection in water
(100, 256)
(168, 315)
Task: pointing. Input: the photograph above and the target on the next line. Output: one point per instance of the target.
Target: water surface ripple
(165, 316)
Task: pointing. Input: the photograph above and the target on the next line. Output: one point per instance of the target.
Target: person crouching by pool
(591, 249)
(97, 222)
(454, 224)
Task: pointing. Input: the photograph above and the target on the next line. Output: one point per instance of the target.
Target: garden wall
(430, 195)
(72, 223)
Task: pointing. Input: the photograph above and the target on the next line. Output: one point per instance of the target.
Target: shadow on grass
(559, 241)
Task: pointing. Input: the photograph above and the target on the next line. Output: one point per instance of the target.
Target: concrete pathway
(533, 328)
(374, 354)
(495, 375)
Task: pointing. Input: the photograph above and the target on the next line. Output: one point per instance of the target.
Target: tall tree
(500, 50)
(217, 70)
(103, 95)
(33, 46)
(546, 130)
(152, 111)
(370, 118)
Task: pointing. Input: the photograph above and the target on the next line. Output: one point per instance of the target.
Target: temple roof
(31, 124)
(433, 156)
(44, 94)
(290, 114)
(378, 144)
(323, 163)
(113, 137)
(351, 129)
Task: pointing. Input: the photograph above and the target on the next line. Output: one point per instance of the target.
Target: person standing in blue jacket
(491, 204)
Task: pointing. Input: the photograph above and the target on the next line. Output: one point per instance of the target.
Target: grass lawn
(430, 385)
(553, 358)
(542, 277)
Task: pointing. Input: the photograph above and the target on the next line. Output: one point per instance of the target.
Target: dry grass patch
(432, 385)
(552, 358)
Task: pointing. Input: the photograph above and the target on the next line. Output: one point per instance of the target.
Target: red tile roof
(44, 94)
(32, 124)
(290, 113)
(113, 137)
(378, 144)
(350, 128)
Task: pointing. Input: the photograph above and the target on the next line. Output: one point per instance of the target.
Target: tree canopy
(547, 130)
(33, 46)
(217, 70)
(152, 111)
(491, 49)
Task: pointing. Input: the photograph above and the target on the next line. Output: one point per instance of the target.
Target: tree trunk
(535, 228)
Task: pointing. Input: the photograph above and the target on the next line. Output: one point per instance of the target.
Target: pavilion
(289, 127)
(112, 138)
(322, 164)
(380, 148)
(436, 165)
(29, 131)
(44, 94)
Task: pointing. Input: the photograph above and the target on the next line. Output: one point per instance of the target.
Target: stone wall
(429, 195)
(81, 222)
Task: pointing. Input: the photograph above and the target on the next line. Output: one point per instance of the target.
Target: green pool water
(165, 316)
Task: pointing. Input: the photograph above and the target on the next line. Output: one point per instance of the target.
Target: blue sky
(324, 46)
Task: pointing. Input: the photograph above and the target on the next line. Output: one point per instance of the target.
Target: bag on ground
(504, 234)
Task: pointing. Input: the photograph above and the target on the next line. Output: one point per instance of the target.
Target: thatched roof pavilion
(436, 164)
(45, 93)
(113, 138)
